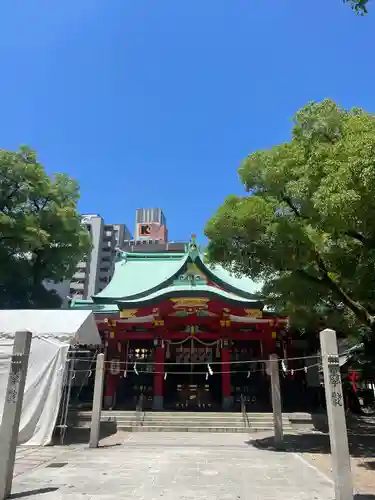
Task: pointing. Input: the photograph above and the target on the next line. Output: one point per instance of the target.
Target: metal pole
(12, 410)
(71, 375)
(97, 402)
(336, 416)
(276, 402)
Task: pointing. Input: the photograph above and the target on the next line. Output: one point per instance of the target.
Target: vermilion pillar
(225, 378)
(110, 390)
(159, 379)
(111, 380)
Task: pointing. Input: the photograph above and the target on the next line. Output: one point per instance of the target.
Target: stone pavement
(167, 466)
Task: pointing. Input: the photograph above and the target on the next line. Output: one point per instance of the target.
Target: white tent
(53, 332)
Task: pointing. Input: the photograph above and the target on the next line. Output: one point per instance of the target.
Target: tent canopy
(70, 326)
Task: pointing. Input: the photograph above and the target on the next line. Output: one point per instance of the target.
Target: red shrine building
(183, 334)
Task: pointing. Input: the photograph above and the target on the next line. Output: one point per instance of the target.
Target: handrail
(244, 412)
(139, 410)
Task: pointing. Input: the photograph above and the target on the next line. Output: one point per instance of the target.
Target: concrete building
(151, 224)
(95, 272)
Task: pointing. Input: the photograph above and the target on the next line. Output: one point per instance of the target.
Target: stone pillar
(276, 401)
(227, 402)
(338, 436)
(12, 410)
(158, 400)
(97, 402)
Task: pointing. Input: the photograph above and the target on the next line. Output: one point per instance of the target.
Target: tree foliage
(359, 6)
(41, 236)
(306, 229)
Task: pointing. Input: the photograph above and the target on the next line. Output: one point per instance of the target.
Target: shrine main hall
(183, 334)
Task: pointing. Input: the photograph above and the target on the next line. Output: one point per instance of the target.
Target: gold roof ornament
(128, 313)
(253, 313)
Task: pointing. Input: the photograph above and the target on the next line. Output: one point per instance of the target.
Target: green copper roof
(244, 283)
(147, 276)
(137, 274)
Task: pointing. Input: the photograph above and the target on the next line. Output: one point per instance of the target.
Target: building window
(103, 280)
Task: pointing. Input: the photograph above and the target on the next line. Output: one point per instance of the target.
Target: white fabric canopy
(65, 325)
(53, 332)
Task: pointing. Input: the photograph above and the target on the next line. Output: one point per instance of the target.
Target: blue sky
(155, 102)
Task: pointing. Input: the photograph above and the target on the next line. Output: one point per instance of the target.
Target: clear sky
(155, 102)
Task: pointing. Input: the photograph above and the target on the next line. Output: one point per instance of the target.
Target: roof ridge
(153, 256)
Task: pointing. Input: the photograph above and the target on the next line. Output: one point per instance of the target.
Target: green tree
(41, 236)
(306, 229)
(359, 6)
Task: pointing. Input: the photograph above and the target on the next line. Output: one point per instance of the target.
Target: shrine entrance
(189, 383)
(136, 378)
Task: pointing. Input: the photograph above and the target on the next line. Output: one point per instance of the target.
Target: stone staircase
(184, 421)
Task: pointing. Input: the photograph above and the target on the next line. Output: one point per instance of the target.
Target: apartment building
(151, 224)
(94, 273)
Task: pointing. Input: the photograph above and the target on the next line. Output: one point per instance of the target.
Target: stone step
(185, 421)
(188, 428)
(191, 423)
(183, 413)
(157, 418)
(189, 419)
(198, 425)
(185, 416)
(202, 416)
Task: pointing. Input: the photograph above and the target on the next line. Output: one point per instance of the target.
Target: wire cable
(230, 362)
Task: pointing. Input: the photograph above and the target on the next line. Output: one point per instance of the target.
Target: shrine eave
(175, 291)
(108, 308)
